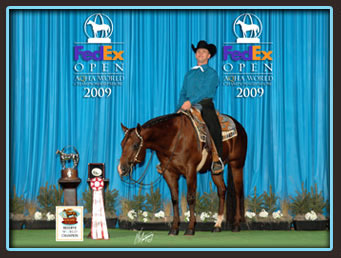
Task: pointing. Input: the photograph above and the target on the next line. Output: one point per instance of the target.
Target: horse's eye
(136, 146)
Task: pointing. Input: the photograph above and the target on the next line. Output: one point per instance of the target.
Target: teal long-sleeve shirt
(198, 85)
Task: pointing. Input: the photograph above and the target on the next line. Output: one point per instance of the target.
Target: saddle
(228, 130)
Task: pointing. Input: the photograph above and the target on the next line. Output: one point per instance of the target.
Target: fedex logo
(104, 53)
(253, 53)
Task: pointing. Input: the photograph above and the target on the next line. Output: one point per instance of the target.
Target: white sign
(69, 223)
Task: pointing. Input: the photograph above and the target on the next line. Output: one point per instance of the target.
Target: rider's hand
(187, 105)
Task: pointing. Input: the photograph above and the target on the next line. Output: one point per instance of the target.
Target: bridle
(136, 160)
(140, 147)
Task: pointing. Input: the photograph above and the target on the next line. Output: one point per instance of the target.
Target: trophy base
(69, 174)
(69, 183)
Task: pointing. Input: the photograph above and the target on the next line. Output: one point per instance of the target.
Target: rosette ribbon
(99, 228)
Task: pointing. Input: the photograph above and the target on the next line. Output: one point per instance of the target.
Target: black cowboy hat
(203, 44)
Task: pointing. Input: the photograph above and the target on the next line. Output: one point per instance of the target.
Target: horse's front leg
(191, 197)
(172, 181)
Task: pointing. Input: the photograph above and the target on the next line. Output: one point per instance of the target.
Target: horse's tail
(231, 200)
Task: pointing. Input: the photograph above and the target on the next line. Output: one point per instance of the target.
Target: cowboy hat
(203, 44)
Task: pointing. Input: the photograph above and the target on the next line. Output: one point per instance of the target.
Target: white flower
(50, 216)
(160, 215)
(145, 219)
(145, 214)
(132, 214)
(277, 214)
(215, 217)
(187, 214)
(204, 216)
(250, 214)
(311, 215)
(38, 215)
(263, 214)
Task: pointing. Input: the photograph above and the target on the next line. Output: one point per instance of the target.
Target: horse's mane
(159, 119)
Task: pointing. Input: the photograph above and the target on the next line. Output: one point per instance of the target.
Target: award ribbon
(99, 228)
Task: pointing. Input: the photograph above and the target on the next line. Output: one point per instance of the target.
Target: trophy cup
(69, 180)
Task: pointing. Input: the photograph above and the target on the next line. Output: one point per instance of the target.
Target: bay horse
(175, 142)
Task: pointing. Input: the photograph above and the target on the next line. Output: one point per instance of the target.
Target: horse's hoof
(173, 232)
(189, 232)
(236, 228)
(216, 229)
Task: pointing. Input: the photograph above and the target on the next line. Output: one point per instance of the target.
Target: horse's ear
(138, 127)
(125, 129)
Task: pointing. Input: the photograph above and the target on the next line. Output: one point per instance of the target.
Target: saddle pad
(228, 126)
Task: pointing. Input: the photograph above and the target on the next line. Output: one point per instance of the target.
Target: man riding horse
(173, 137)
(199, 87)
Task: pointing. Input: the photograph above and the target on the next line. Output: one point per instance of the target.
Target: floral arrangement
(144, 216)
(49, 197)
(207, 202)
(250, 214)
(187, 215)
(160, 215)
(265, 216)
(17, 203)
(153, 200)
(308, 205)
(132, 215)
(310, 215)
(277, 214)
(208, 216)
(204, 216)
(264, 208)
(48, 216)
(38, 215)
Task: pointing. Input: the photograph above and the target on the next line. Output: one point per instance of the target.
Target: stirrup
(217, 167)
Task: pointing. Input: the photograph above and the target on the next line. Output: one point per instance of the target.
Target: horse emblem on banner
(101, 28)
(250, 28)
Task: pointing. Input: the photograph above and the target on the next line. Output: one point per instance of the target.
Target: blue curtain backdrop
(288, 128)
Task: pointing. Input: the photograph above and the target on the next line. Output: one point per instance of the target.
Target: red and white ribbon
(99, 228)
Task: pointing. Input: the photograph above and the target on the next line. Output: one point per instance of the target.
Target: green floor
(225, 239)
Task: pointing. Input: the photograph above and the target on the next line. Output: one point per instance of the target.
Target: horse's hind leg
(237, 173)
(191, 198)
(219, 182)
(172, 181)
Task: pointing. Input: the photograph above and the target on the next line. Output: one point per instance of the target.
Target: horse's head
(239, 22)
(89, 22)
(133, 150)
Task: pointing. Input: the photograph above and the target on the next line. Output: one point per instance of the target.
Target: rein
(139, 181)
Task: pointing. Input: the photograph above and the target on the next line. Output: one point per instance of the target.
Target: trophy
(69, 180)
